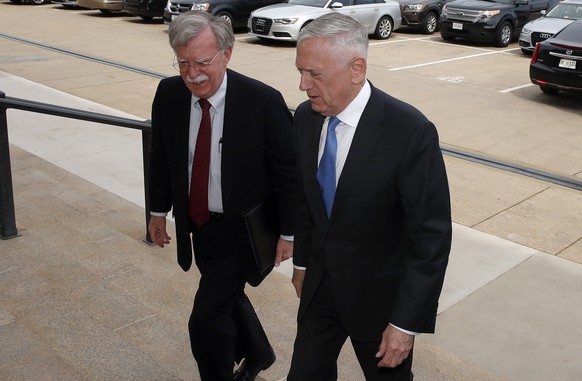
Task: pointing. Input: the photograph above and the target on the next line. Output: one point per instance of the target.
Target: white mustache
(198, 79)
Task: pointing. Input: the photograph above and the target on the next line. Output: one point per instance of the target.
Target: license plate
(457, 26)
(567, 64)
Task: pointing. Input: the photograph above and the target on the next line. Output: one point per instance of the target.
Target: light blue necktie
(326, 176)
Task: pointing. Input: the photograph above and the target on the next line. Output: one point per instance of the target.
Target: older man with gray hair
(221, 144)
(373, 231)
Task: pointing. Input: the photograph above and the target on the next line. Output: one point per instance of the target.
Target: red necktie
(198, 207)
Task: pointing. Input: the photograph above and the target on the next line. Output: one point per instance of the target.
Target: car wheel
(225, 15)
(503, 35)
(37, 2)
(384, 28)
(430, 23)
(548, 90)
(306, 23)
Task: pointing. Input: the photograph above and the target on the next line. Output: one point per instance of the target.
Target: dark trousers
(320, 338)
(223, 326)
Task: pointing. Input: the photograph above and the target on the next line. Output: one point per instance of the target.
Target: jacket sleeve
(426, 203)
(159, 181)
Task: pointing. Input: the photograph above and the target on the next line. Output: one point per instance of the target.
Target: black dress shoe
(248, 370)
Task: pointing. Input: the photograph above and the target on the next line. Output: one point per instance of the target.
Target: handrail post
(146, 135)
(7, 216)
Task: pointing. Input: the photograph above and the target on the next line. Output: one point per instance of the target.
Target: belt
(215, 216)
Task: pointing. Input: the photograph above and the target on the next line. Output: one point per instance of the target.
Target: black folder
(263, 228)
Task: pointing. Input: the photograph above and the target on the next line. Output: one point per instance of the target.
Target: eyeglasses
(201, 65)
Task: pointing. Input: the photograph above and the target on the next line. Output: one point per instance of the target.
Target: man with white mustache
(221, 144)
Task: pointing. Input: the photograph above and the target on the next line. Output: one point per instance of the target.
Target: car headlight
(525, 31)
(414, 7)
(200, 7)
(488, 14)
(444, 10)
(286, 21)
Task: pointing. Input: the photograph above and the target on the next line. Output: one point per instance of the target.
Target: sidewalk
(82, 297)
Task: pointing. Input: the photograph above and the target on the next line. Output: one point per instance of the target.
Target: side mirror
(337, 5)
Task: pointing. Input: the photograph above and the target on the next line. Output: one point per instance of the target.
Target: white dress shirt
(216, 124)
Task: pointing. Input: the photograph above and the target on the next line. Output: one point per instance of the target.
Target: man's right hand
(157, 230)
(297, 280)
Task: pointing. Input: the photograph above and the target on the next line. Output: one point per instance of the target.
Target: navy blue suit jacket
(385, 247)
(258, 159)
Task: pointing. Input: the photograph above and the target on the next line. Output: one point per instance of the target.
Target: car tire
(383, 28)
(503, 34)
(226, 16)
(306, 23)
(526, 52)
(548, 90)
(430, 23)
(37, 2)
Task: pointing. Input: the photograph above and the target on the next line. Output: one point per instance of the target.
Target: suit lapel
(234, 119)
(182, 106)
(367, 135)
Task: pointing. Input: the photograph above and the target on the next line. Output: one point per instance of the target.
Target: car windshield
(566, 11)
(309, 3)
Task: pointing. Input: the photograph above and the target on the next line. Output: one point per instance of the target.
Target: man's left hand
(394, 348)
(284, 251)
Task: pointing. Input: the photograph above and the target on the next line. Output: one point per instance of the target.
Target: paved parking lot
(511, 305)
(479, 96)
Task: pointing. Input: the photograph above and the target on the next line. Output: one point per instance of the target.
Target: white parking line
(249, 37)
(516, 88)
(442, 61)
(430, 39)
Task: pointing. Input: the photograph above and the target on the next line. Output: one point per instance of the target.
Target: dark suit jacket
(257, 159)
(385, 247)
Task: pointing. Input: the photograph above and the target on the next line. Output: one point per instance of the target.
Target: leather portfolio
(263, 229)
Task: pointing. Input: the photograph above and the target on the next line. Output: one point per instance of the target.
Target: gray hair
(346, 35)
(190, 24)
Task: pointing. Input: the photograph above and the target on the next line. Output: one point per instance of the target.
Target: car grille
(460, 14)
(176, 7)
(539, 37)
(261, 25)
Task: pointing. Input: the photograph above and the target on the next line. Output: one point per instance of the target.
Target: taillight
(534, 56)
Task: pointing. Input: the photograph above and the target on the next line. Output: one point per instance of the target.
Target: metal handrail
(7, 216)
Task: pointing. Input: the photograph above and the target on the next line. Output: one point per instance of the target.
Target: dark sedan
(146, 9)
(236, 12)
(556, 63)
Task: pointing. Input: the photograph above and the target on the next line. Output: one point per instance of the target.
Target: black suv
(421, 14)
(493, 21)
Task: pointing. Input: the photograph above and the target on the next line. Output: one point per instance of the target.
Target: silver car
(284, 21)
(556, 19)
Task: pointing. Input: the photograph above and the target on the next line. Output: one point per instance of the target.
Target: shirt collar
(353, 112)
